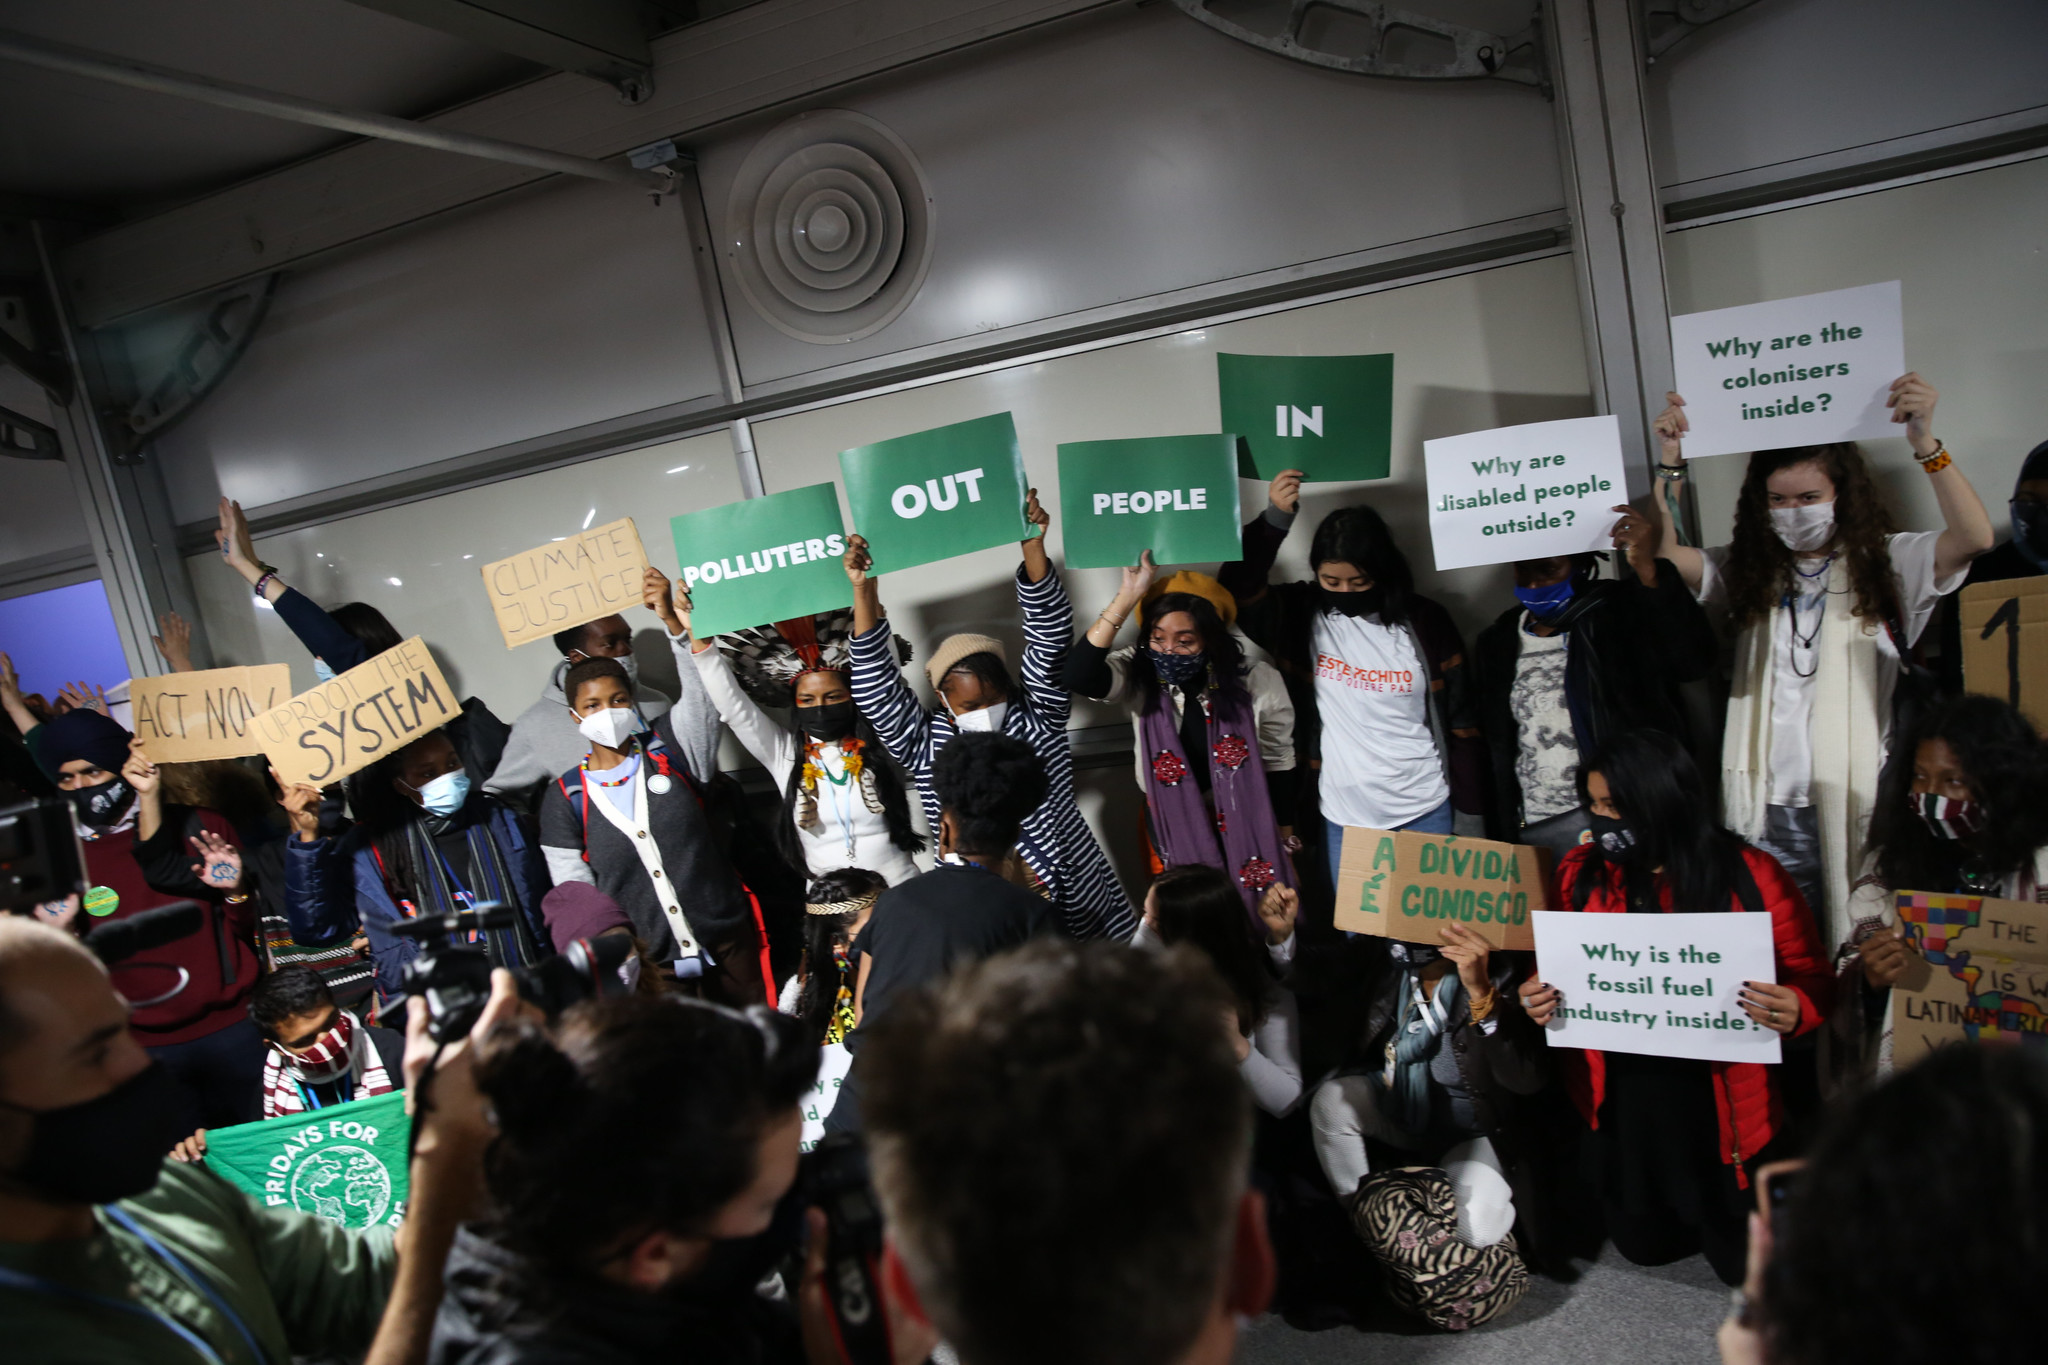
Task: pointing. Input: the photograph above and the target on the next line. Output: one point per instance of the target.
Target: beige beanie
(954, 648)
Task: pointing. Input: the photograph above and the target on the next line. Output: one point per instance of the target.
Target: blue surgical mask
(446, 793)
(323, 672)
(1544, 603)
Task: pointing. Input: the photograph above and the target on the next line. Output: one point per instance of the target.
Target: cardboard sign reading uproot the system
(1524, 492)
(192, 717)
(2005, 643)
(345, 1163)
(938, 493)
(765, 559)
(564, 583)
(1400, 884)
(1173, 495)
(375, 708)
(1660, 985)
(1330, 416)
(1980, 974)
(1790, 372)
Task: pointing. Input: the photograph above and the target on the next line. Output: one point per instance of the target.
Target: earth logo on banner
(345, 1163)
(345, 1185)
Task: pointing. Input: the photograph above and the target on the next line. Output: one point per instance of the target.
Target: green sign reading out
(937, 493)
(1173, 495)
(1330, 416)
(765, 559)
(344, 1163)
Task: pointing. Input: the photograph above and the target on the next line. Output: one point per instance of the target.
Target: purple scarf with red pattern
(1239, 835)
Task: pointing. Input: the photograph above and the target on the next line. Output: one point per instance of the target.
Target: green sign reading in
(1330, 416)
(938, 493)
(765, 559)
(1173, 495)
(345, 1163)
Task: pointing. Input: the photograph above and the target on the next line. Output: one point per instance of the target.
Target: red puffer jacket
(1745, 1093)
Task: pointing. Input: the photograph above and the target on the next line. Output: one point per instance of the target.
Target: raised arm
(1263, 536)
(1671, 427)
(1048, 623)
(1966, 526)
(694, 718)
(770, 744)
(13, 702)
(317, 631)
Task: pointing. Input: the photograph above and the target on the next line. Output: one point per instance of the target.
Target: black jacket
(1630, 649)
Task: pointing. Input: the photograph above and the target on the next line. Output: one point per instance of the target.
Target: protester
(2024, 555)
(578, 910)
(1967, 816)
(1215, 730)
(427, 844)
(843, 801)
(643, 1157)
(1673, 1141)
(1384, 710)
(1201, 906)
(1060, 1138)
(821, 993)
(631, 820)
(175, 644)
(1967, 1127)
(977, 694)
(1810, 712)
(1577, 659)
(545, 743)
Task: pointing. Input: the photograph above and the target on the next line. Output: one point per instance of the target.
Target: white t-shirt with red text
(1380, 764)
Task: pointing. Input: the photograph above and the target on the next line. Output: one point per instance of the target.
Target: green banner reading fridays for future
(1330, 416)
(1173, 495)
(937, 493)
(764, 559)
(344, 1163)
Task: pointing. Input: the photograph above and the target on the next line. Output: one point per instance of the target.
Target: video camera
(39, 855)
(456, 980)
(834, 1177)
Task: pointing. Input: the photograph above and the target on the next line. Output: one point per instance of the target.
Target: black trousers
(224, 1072)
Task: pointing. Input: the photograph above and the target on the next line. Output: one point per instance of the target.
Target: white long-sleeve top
(848, 833)
(1272, 1069)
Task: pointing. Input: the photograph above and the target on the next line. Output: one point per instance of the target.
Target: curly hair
(2006, 762)
(583, 670)
(1759, 570)
(1225, 654)
(988, 784)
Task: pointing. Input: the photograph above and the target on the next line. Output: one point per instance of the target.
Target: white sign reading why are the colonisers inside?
(1525, 492)
(1790, 372)
(1661, 985)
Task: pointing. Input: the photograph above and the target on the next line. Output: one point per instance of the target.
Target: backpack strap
(579, 801)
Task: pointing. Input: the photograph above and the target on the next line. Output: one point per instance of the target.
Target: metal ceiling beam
(709, 73)
(603, 39)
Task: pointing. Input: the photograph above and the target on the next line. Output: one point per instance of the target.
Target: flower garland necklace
(855, 774)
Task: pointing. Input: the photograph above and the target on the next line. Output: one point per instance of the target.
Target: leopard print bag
(1408, 1219)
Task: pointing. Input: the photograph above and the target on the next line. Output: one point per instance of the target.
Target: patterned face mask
(1947, 818)
(328, 1055)
(1176, 670)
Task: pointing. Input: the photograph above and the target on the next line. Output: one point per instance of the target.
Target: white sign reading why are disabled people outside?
(1790, 372)
(1660, 985)
(1524, 492)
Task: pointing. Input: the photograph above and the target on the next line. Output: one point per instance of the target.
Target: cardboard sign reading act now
(193, 717)
(585, 577)
(372, 710)
(1405, 885)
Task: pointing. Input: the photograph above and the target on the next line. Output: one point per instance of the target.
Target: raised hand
(234, 541)
(1278, 909)
(1912, 401)
(1637, 536)
(1671, 428)
(1470, 954)
(301, 804)
(654, 595)
(859, 563)
(681, 605)
(1137, 579)
(1285, 491)
(175, 644)
(1036, 517)
(220, 863)
(81, 696)
(139, 771)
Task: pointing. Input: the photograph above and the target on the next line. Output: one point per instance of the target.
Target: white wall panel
(571, 304)
(1143, 153)
(38, 511)
(1788, 79)
(1969, 253)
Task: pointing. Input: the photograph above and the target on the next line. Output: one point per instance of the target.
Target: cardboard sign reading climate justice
(1330, 416)
(1979, 974)
(1790, 372)
(938, 493)
(1524, 492)
(1404, 885)
(192, 717)
(1659, 985)
(1173, 495)
(764, 559)
(345, 725)
(564, 583)
(345, 1163)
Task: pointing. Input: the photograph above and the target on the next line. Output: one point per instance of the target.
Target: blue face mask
(1544, 603)
(446, 793)
(1176, 670)
(323, 672)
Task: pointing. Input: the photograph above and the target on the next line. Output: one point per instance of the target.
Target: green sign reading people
(764, 559)
(1173, 495)
(939, 493)
(344, 1163)
(1330, 416)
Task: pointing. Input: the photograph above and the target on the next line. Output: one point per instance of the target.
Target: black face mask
(833, 720)
(1366, 603)
(1616, 838)
(109, 1148)
(104, 805)
(734, 1265)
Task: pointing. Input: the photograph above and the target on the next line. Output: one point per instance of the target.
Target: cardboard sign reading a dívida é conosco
(1405, 885)
(585, 577)
(372, 710)
(193, 717)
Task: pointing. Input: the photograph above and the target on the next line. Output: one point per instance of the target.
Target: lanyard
(312, 1101)
(36, 1284)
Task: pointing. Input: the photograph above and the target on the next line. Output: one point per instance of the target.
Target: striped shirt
(1056, 842)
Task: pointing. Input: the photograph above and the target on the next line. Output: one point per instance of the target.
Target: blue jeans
(1438, 821)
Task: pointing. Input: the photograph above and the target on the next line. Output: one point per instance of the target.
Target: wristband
(1671, 472)
(237, 898)
(1938, 461)
(1482, 1010)
(268, 575)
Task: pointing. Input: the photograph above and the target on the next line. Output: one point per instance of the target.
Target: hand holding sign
(1329, 415)
(1525, 492)
(1173, 495)
(936, 494)
(764, 559)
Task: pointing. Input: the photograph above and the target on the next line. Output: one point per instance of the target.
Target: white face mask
(988, 720)
(611, 727)
(1805, 528)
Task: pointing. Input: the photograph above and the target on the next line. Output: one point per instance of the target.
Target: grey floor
(1616, 1314)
